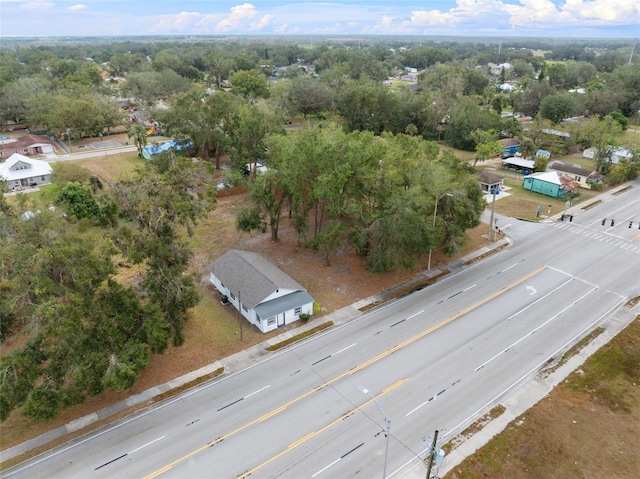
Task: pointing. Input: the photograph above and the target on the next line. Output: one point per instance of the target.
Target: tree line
(376, 194)
(83, 329)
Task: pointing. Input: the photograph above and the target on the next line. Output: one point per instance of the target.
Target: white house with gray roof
(21, 172)
(263, 293)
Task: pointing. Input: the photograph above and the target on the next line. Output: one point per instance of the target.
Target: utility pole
(239, 316)
(432, 455)
(494, 190)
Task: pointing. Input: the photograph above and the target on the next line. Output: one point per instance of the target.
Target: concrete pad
(82, 422)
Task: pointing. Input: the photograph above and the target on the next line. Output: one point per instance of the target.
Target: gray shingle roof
(251, 275)
(576, 170)
(490, 177)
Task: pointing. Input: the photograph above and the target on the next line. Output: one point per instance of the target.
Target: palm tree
(139, 135)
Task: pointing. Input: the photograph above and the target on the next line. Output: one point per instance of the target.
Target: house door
(280, 320)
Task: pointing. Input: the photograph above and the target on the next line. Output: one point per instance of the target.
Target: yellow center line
(304, 439)
(349, 372)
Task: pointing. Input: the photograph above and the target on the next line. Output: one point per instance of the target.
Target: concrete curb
(242, 359)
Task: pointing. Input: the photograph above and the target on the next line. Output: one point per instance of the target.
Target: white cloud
(282, 28)
(604, 11)
(240, 15)
(183, 21)
(264, 21)
(487, 14)
(37, 5)
(76, 8)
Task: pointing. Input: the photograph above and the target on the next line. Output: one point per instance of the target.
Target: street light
(495, 190)
(435, 212)
(387, 423)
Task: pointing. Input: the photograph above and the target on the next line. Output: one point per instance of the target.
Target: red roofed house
(27, 145)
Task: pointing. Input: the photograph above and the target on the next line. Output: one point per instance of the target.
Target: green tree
(203, 120)
(468, 117)
(487, 145)
(528, 102)
(558, 107)
(541, 163)
(159, 202)
(219, 65)
(625, 83)
(369, 106)
(151, 86)
(620, 119)
(251, 84)
(377, 193)
(138, 132)
(249, 129)
(308, 95)
(20, 98)
(74, 316)
(78, 201)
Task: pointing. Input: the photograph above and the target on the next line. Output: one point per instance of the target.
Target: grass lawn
(524, 203)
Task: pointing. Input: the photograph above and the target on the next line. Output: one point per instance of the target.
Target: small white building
(263, 293)
(617, 154)
(21, 172)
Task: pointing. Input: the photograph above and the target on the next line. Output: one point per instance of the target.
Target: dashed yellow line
(347, 373)
(304, 439)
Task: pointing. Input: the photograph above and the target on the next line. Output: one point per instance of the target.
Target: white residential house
(21, 172)
(617, 154)
(263, 293)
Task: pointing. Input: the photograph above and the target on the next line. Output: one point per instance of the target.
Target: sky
(522, 18)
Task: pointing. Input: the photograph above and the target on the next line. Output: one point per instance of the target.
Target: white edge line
(509, 267)
(147, 444)
(258, 391)
(416, 408)
(326, 467)
(344, 349)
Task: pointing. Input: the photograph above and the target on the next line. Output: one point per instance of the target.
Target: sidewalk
(252, 355)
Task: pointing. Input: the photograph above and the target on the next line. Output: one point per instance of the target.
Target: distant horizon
(589, 19)
(632, 40)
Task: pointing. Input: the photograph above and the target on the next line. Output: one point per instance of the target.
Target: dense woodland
(365, 170)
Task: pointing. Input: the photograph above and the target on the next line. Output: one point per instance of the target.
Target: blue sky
(534, 18)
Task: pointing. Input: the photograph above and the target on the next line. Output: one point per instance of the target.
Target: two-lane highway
(433, 360)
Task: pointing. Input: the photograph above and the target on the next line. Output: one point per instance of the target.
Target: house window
(245, 308)
(271, 320)
(42, 178)
(298, 310)
(25, 150)
(231, 294)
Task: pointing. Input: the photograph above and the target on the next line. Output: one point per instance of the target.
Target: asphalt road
(434, 360)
